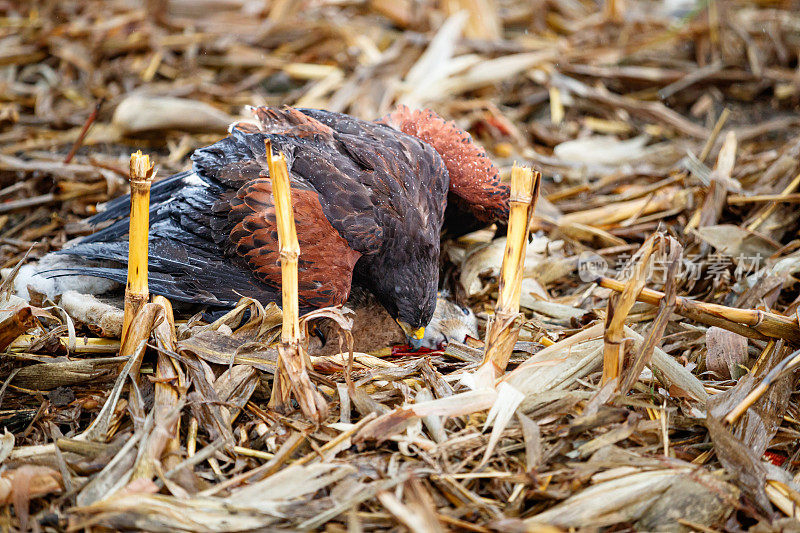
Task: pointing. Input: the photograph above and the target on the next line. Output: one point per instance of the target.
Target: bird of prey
(370, 202)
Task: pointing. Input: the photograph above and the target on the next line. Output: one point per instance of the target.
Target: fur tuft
(39, 277)
(450, 322)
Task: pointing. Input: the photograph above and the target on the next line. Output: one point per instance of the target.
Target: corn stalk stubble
(136, 290)
(615, 346)
(292, 374)
(502, 332)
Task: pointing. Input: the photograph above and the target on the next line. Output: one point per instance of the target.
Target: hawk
(370, 200)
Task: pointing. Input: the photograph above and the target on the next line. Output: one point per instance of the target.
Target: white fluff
(450, 322)
(34, 275)
(194, 179)
(105, 319)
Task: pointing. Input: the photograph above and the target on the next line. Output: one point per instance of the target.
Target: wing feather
(326, 264)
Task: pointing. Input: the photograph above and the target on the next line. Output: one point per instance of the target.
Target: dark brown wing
(383, 191)
(370, 178)
(409, 182)
(354, 163)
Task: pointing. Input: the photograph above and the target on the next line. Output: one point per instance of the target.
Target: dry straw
(291, 374)
(501, 333)
(136, 292)
(752, 323)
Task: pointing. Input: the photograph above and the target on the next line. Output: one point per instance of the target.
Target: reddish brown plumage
(326, 261)
(474, 181)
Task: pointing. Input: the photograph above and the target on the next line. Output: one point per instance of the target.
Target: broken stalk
(291, 373)
(615, 345)
(752, 323)
(788, 364)
(136, 292)
(501, 335)
(170, 379)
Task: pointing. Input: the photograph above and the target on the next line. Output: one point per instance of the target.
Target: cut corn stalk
(291, 374)
(501, 333)
(788, 364)
(136, 291)
(645, 352)
(752, 323)
(138, 334)
(615, 344)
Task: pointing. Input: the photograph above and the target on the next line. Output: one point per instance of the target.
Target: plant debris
(648, 382)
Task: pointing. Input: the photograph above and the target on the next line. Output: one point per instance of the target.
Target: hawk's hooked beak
(414, 336)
